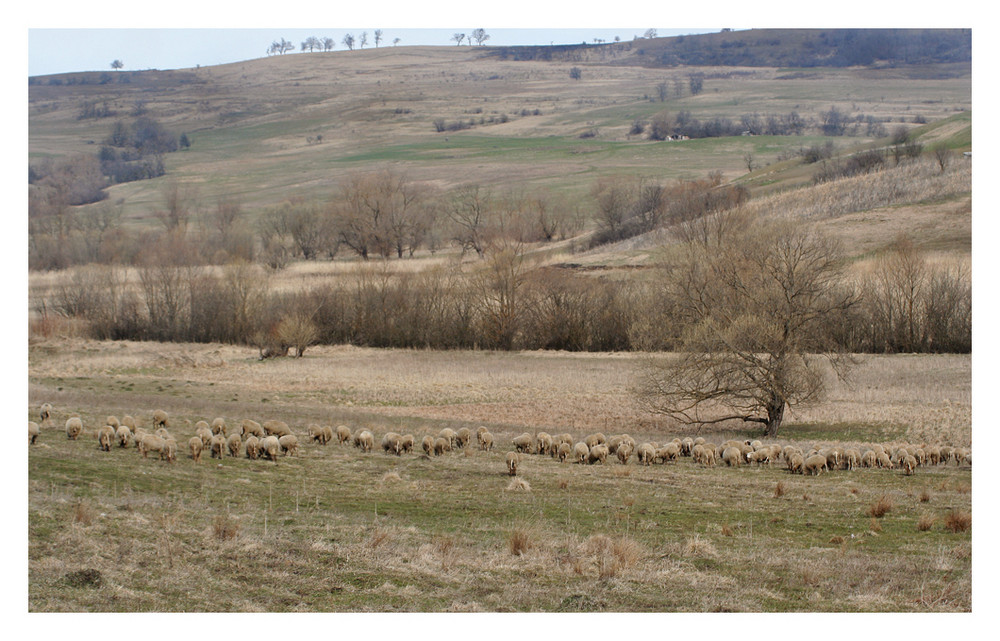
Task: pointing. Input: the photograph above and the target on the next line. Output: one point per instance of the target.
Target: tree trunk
(775, 412)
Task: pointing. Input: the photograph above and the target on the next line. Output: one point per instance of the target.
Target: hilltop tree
(458, 38)
(395, 41)
(312, 43)
(117, 64)
(378, 37)
(650, 33)
(363, 39)
(349, 41)
(329, 44)
(480, 36)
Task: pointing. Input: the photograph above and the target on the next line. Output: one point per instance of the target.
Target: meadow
(335, 529)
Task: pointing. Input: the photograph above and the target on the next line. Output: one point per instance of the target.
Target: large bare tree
(754, 297)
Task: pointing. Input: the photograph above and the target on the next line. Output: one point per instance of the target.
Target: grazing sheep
(169, 451)
(205, 434)
(899, 454)
(565, 437)
(486, 442)
(513, 459)
(428, 445)
(462, 437)
(595, 439)
(624, 452)
(343, 434)
(646, 453)
(195, 445)
(947, 453)
(756, 445)
(251, 447)
(45, 412)
(698, 452)
(563, 452)
(832, 456)
(219, 426)
(965, 458)
(614, 442)
(732, 456)
(391, 443)
(289, 444)
(123, 435)
(233, 444)
(276, 428)
(869, 459)
(760, 456)
(160, 419)
(129, 422)
(909, 464)
(524, 443)
(151, 443)
(269, 447)
(746, 450)
(441, 445)
(216, 446)
(367, 441)
(700, 440)
(815, 464)
(251, 427)
(581, 452)
(720, 449)
(852, 459)
(137, 435)
(202, 425)
(327, 434)
(33, 431)
(882, 460)
(544, 443)
(687, 444)
(796, 463)
(74, 427)
(921, 456)
(112, 421)
(163, 433)
(316, 433)
(450, 435)
(406, 442)
(598, 453)
(670, 452)
(933, 454)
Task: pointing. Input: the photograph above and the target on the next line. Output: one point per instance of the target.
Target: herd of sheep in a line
(270, 439)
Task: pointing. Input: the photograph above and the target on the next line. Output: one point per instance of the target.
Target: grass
(337, 530)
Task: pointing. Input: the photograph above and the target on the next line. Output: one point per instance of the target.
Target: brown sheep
(595, 439)
(909, 464)
(614, 442)
(544, 443)
(598, 453)
(269, 447)
(219, 426)
(441, 445)
(251, 447)
(327, 434)
(276, 428)
(815, 464)
(524, 443)
(216, 447)
(732, 456)
(428, 445)
(33, 431)
(343, 434)
(123, 435)
(462, 437)
(406, 443)
(195, 445)
(251, 427)
(233, 444)
(160, 419)
(796, 463)
(45, 412)
(74, 427)
(486, 442)
(366, 440)
(289, 444)
(513, 459)
(581, 452)
(391, 443)
(563, 452)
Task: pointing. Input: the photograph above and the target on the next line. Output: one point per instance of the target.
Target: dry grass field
(335, 529)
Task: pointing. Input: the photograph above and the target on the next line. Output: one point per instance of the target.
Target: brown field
(337, 530)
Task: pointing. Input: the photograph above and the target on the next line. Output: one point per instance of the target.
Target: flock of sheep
(270, 439)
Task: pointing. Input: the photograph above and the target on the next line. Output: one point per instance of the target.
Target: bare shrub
(518, 484)
(82, 513)
(779, 490)
(925, 496)
(225, 528)
(519, 542)
(697, 546)
(958, 521)
(926, 522)
(880, 507)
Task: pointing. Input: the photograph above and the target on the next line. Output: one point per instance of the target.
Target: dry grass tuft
(806, 497)
(518, 542)
(963, 488)
(855, 490)
(83, 513)
(225, 528)
(881, 507)
(726, 530)
(697, 546)
(391, 476)
(779, 490)
(446, 547)
(836, 539)
(958, 521)
(518, 484)
(563, 484)
(926, 522)
(621, 471)
(875, 526)
(925, 496)
(379, 537)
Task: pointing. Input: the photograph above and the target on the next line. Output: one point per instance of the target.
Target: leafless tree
(458, 38)
(349, 41)
(470, 211)
(378, 37)
(479, 35)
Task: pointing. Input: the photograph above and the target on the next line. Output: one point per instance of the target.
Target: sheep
(253, 428)
(595, 439)
(899, 454)
(316, 433)
(112, 421)
(921, 456)
(356, 439)
(269, 447)
(219, 426)
(216, 447)
(150, 443)
(832, 458)
(598, 453)
(251, 447)
(129, 422)
(732, 456)
(486, 442)
(852, 459)
(327, 434)
(700, 440)
(441, 445)
(45, 412)
(645, 453)
(233, 444)
(624, 452)
(427, 444)
(137, 435)
(524, 443)
(343, 434)
(909, 464)
(160, 419)
(947, 452)
(720, 449)
(614, 442)
(760, 456)
(581, 452)
(123, 435)
(463, 436)
(289, 444)
(276, 428)
(698, 453)
(933, 454)
(195, 445)
(882, 460)
(450, 435)
(201, 425)
(205, 434)
(163, 433)
(815, 464)
(367, 441)
(406, 443)
(670, 452)
(33, 431)
(74, 427)
(391, 443)
(565, 437)
(169, 451)
(963, 456)
(563, 452)
(869, 459)
(746, 450)
(544, 442)
(687, 444)
(513, 459)
(796, 464)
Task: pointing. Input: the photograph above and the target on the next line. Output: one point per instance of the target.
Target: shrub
(926, 522)
(881, 507)
(519, 542)
(958, 521)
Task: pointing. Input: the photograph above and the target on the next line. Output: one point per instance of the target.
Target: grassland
(338, 530)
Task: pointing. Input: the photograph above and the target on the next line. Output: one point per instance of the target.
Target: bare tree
(328, 44)
(479, 35)
(943, 155)
(753, 297)
(470, 211)
(363, 39)
(650, 33)
(499, 283)
(379, 212)
(348, 41)
(117, 64)
(378, 37)
(458, 38)
(395, 41)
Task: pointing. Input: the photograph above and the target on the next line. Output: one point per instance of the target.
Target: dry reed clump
(446, 547)
(518, 484)
(925, 522)
(379, 537)
(563, 484)
(726, 530)
(225, 528)
(874, 525)
(82, 513)
(881, 507)
(519, 542)
(837, 539)
(958, 521)
(697, 546)
(779, 490)
(925, 496)
(391, 477)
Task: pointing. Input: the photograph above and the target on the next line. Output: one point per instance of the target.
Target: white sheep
(645, 453)
(581, 452)
(248, 426)
(450, 435)
(441, 445)
(33, 431)
(233, 444)
(251, 447)
(343, 434)
(169, 451)
(512, 460)
(544, 440)
(276, 428)
(205, 434)
(598, 453)
(74, 427)
(597, 438)
(217, 446)
(391, 443)
(195, 445)
(367, 440)
(327, 434)
(112, 421)
(129, 422)
(150, 443)
(909, 464)
(316, 433)
(45, 412)
(732, 456)
(219, 426)
(815, 464)
(289, 444)
(486, 442)
(462, 437)
(269, 447)
(160, 419)
(563, 452)
(124, 436)
(524, 443)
